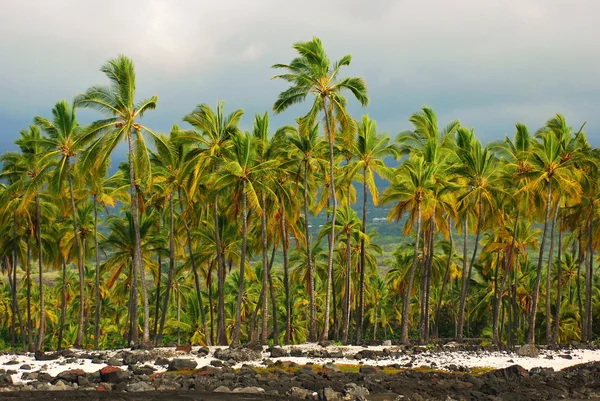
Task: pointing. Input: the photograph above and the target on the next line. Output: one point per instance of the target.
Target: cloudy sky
(487, 63)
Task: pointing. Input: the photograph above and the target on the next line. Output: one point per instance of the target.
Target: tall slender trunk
(221, 333)
(312, 323)
(465, 284)
(536, 290)
(556, 334)
(580, 258)
(79, 338)
(136, 262)
(235, 339)
(427, 297)
(464, 272)
(178, 315)
(286, 283)
(195, 271)
(406, 309)
(589, 278)
(157, 300)
(507, 265)
(265, 283)
(273, 299)
(157, 340)
(448, 264)
(98, 295)
(361, 302)
(42, 332)
(63, 303)
(28, 280)
(211, 302)
(348, 286)
(325, 334)
(548, 278)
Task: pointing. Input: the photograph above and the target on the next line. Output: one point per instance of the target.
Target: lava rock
(528, 350)
(5, 380)
(139, 386)
(278, 352)
(369, 370)
(184, 348)
(114, 362)
(249, 390)
(25, 367)
(70, 375)
(113, 374)
(180, 364)
(237, 354)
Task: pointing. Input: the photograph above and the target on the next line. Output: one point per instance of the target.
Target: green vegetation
(276, 235)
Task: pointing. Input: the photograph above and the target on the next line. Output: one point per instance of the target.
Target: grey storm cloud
(487, 63)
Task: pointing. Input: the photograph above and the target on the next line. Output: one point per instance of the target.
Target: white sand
(438, 360)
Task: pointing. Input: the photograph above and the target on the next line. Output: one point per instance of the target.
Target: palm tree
(64, 141)
(241, 175)
(117, 103)
(312, 73)
(371, 150)
(478, 170)
(307, 148)
(210, 143)
(551, 162)
(411, 187)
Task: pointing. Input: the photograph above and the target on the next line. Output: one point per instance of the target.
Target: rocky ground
(307, 372)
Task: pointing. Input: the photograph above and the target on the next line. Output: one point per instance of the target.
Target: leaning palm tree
(117, 103)
(312, 73)
(65, 140)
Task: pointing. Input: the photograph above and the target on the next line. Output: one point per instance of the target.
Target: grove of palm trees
(211, 235)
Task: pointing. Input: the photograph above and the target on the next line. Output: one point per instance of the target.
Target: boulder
(222, 389)
(278, 352)
(25, 367)
(509, 373)
(42, 356)
(184, 348)
(237, 354)
(114, 362)
(249, 390)
(330, 394)
(162, 362)
(302, 393)
(113, 374)
(180, 364)
(139, 386)
(528, 350)
(203, 351)
(12, 362)
(368, 369)
(354, 391)
(5, 380)
(331, 367)
(70, 375)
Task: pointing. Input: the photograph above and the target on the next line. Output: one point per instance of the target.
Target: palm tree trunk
(273, 299)
(63, 303)
(325, 334)
(448, 264)
(361, 301)
(157, 302)
(406, 309)
(137, 252)
(221, 333)
(589, 279)
(195, 271)
(548, 279)
(157, 340)
(211, 301)
(463, 275)
(427, 300)
(347, 295)
(28, 279)
(465, 284)
(312, 324)
(555, 335)
(15, 304)
(98, 295)
(286, 283)
(580, 258)
(42, 332)
(265, 283)
(536, 291)
(235, 340)
(78, 339)
(495, 336)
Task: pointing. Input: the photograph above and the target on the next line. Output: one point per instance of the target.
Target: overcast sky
(487, 63)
